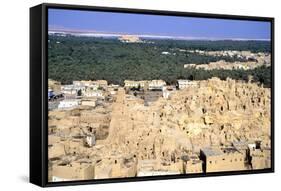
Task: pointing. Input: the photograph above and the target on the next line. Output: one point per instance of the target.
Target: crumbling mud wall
(166, 137)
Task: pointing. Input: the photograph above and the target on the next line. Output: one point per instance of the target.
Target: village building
(182, 84)
(114, 86)
(73, 171)
(243, 147)
(68, 90)
(112, 89)
(217, 160)
(68, 103)
(156, 84)
(131, 84)
(189, 65)
(89, 102)
(163, 134)
(93, 85)
(116, 167)
(80, 89)
(78, 83)
(136, 84)
(101, 83)
(93, 93)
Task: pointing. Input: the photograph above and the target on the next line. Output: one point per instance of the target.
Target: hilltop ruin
(215, 126)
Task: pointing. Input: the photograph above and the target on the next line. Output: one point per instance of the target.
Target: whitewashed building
(186, 83)
(68, 89)
(68, 104)
(90, 102)
(156, 84)
(93, 93)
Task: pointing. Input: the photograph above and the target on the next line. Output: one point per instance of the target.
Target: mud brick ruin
(217, 126)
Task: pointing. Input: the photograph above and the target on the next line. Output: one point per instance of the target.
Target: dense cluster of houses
(239, 157)
(192, 139)
(251, 60)
(84, 92)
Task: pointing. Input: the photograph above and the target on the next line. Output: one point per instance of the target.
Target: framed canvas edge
(44, 77)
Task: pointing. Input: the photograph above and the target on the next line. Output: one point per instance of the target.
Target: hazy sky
(157, 25)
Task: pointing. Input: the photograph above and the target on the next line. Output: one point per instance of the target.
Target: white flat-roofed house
(186, 83)
(136, 84)
(68, 89)
(78, 83)
(156, 84)
(101, 83)
(89, 83)
(93, 93)
(89, 102)
(115, 86)
(68, 103)
(189, 65)
(131, 84)
(73, 89)
(92, 87)
(144, 84)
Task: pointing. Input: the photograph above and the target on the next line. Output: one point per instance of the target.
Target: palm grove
(87, 58)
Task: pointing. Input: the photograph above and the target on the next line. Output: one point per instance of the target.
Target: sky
(125, 23)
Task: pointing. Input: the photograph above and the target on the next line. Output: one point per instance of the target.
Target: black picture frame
(39, 88)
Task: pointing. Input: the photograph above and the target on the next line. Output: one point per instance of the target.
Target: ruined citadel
(211, 126)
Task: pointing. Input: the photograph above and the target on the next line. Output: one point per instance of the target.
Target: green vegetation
(261, 74)
(86, 58)
(253, 46)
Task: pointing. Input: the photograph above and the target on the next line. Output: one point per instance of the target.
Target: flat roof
(212, 151)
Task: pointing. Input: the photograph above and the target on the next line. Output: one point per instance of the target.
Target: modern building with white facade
(186, 83)
(68, 104)
(156, 84)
